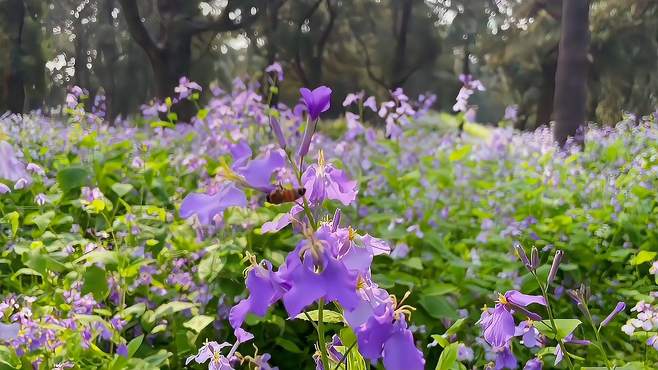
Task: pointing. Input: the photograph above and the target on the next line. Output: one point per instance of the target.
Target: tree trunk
(571, 79)
(110, 54)
(14, 91)
(401, 27)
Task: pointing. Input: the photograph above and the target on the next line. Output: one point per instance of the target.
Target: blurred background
(133, 51)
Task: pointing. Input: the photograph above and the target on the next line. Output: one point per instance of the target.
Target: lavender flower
(317, 101)
(276, 69)
(186, 87)
(533, 364)
(324, 181)
(498, 324)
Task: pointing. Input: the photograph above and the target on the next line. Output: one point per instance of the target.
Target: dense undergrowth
(126, 246)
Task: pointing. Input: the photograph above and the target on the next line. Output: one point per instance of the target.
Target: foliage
(100, 270)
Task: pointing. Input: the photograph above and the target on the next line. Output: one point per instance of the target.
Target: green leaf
(448, 357)
(162, 124)
(99, 256)
(95, 282)
(11, 218)
(135, 310)
(72, 178)
(460, 153)
(134, 344)
(210, 266)
(8, 358)
(439, 339)
(438, 307)
(198, 323)
(327, 316)
(643, 257)
(454, 328)
(287, 345)
(122, 189)
(43, 220)
(171, 308)
(564, 327)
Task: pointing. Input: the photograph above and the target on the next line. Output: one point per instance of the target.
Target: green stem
(544, 292)
(598, 343)
(322, 344)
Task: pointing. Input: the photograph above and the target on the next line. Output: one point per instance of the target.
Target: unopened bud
(621, 306)
(534, 258)
(336, 222)
(306, 140)
(520, 252)
(556, 264)
(276, 128)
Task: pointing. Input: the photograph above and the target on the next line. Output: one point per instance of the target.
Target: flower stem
(322, 344)
(544, 291)
(598, 343)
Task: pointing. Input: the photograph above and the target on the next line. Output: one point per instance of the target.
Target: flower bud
(306, 140)
(276, 128)
(556, 264)
(534, 258)
(336, 222)
(520, 252)
(621, 306)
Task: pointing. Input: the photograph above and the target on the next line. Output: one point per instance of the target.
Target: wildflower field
(261, 236)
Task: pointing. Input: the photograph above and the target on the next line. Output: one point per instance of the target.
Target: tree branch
(298, 56)
(137, 28)
(327, 31)
(371, 73)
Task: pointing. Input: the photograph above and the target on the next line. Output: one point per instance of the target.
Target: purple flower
(122, 350)
(400, 352)
(559, 355)
(4, 189)
(11, 168)
(498, 324)
(206, 207)
(255, 173)
(533, 364)
(40, 199)
(351, 98)
(511, 114)
(530, 335)
(464, 353)
(9, 331)
(371, 103)
(505, 359)
(276, 69)
(312, 271)
(324, 181)
(264, 291)
(317, 101)
(35, 168)
(186, 87)
(211, 351)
